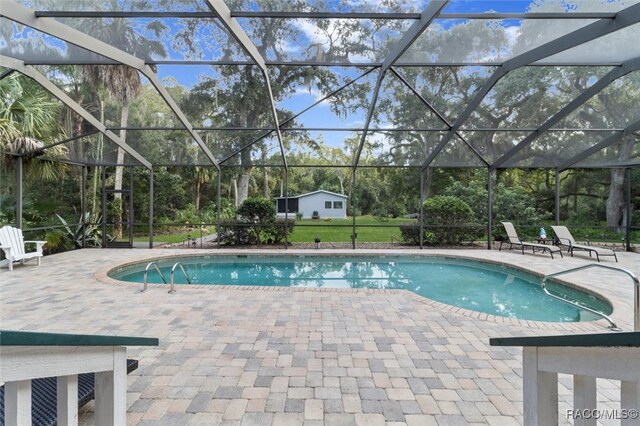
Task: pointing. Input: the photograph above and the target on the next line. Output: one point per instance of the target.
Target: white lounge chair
(514, 240)
(566, 239)
(13, 245)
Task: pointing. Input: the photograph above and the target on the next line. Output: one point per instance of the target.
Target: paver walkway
(259, 356)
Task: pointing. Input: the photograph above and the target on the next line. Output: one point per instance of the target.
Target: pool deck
(259, 356)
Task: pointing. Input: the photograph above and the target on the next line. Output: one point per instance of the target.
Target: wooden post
(630, 402)
(584, 398)
(111, 391)
(17, 403)
(540, 391)
(67, 400)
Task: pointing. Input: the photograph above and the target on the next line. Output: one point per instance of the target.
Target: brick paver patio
(259, 356)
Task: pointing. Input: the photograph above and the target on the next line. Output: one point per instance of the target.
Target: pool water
(473, 285)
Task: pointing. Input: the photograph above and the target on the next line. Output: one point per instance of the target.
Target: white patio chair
(13, 244)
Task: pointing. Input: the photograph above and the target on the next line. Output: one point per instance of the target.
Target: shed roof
(315, 192)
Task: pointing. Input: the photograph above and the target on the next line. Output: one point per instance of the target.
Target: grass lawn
(339, 231)
(329, 232)
(174, 238)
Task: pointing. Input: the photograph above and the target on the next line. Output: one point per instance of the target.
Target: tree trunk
(198, 189)
(615, 201)
(96, 169)
(575, 194)
(265, 173)
(73, 127)
(428, 179)
(245, 176)
(243, 186)
(117, 196)
(341, 180)
(616, 217)
(234, 185)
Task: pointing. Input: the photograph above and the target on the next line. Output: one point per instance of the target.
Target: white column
(630, 400)
(111, 391)
(67, 400)
(17, 403)
(540, 391)
(584, 398)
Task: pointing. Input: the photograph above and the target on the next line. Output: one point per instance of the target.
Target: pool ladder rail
(636, 292)
(164, 280)
(146, 272)
(173, 271)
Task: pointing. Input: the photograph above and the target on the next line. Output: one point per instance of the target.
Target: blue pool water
(474, 285)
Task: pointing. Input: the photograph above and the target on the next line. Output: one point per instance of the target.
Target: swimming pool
(474, 285)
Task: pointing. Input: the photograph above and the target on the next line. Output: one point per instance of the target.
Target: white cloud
(316, 94)
(512, 33)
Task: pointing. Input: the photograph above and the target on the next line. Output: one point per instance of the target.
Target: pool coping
(101, 275)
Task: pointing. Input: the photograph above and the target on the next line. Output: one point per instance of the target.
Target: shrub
(234, 232)
(91, 233)
(410, 234)
(448, 215)
(257, 224)
(260, 212)
(257, 210)
(276, 231)
(511, 203)
(55, 242)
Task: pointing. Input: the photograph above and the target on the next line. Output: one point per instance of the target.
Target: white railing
(27, 356)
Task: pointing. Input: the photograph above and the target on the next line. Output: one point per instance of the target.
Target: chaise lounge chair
(514, 240)
(566, 239)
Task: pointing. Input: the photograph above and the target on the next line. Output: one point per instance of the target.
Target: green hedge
(448, 221)
(241, 233)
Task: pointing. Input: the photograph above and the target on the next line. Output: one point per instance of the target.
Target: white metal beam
(591, 91)
(222, 11)
(602, 27)
(607, 142)
(31, 72)
(415, 30)
(426, 17)
(17, 13)
(440, 116)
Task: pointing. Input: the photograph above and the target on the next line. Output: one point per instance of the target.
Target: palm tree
(28, 120)
(121, 82)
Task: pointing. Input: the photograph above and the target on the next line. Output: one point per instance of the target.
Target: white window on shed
(327, 204)
(337, 204)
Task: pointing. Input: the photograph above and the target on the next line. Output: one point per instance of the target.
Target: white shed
(325, 203)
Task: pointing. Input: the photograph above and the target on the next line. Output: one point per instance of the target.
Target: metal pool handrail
(634, 278)
(173, 270)
(146, 271)
(577, 305)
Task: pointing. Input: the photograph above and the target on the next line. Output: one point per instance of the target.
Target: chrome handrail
(577, 305)
(173, 270)
(634, 278)
(146, 271)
